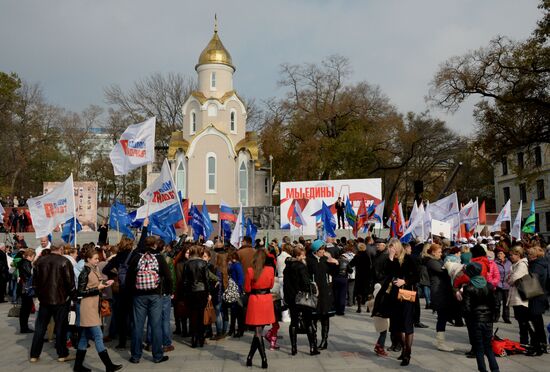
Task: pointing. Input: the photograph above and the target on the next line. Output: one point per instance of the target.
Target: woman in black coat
(538, 305)
(441, 293)
(25, 277)
(362, 263)
(297, 280)
(406, 274)
(320, 268)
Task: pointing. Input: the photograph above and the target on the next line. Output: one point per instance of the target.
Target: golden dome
(215, 52)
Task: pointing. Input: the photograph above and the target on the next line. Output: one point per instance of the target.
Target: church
(213, 157)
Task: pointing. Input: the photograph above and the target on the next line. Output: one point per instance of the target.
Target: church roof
(177, 142)
(250, 143)
(202, 98)
(215, 52)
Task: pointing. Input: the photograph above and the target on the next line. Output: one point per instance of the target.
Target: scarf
(478, 281)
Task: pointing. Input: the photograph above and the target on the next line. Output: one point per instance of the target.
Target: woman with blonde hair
(520, 268)
(405, 275)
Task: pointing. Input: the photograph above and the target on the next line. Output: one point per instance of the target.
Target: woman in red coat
(258, 282)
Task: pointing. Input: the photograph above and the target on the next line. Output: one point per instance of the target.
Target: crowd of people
(133, 292)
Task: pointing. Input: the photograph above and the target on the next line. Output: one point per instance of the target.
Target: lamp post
(271, 180)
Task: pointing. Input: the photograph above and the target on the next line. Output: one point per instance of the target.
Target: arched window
(233, 121)
(193, 122)
(243, 184)
(180, 178)
(211, 172)
(213, 81)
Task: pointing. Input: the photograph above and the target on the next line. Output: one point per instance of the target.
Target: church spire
(215, 23)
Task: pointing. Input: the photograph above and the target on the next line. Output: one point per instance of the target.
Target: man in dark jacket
(379, 262)
(4, 272)
(479, 308)
(53, 279)
(148, 275)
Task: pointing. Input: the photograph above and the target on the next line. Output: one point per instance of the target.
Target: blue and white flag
(196, 222)
(52, 209)
(446, 210)
(68, 233)
(166, 232)
(206, 222)
(379, 212)
(329, 222)
(162, 199)
(516, 227)
(251, 229)
(119, 219)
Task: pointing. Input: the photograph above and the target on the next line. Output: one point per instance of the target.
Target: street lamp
(271, 180)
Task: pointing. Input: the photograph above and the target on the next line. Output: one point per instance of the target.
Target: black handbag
(307, 299)
(528, 286)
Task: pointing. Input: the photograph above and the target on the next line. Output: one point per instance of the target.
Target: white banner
(53, 208)
(135, 148)
(441, 228)
(311, 194)
(504, 215)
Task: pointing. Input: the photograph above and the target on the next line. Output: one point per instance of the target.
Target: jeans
(427, 293)
(92, 333)
(222, 322)
(502, 296)
(482, 335)
(350, 296)
(382, 338)
(147, 306)
(60, 316)
(166, 332)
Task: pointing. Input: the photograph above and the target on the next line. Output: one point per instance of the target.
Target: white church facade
(213, 157)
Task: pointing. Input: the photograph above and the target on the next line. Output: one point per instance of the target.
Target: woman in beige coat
(520, 268)
(89, 290)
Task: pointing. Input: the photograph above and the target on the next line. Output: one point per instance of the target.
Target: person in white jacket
(520, 268)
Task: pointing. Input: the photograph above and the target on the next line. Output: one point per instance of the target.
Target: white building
(534, 166)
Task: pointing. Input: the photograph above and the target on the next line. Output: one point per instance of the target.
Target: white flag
(469, 215)
(446, 210)
(416, 222)
(237, 234)
(161, 195)
(427, 223)
(2, 210)
(53, 208)
(379, 212)
(413, 213)
(504, 215)
(516, 227)
(136, 147)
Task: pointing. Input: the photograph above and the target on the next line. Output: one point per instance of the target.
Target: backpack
(147, 277)
(231, 293)
(122, 271)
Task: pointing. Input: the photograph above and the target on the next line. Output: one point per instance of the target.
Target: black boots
(109, 366)
(293, 339)
(257, 344)
(325, 325)
(78, 363)
(312, 338)
(261, 349)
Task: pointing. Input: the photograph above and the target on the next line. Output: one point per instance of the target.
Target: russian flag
(226, 213)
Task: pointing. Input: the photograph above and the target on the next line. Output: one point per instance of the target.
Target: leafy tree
(512, 79)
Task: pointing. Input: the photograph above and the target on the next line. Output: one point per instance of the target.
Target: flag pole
(74, 210)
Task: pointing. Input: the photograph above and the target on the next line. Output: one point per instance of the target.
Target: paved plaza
(351, 344)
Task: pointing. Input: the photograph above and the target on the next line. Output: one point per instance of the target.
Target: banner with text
(310, 196)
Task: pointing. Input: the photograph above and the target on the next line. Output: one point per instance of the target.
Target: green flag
(529, 226)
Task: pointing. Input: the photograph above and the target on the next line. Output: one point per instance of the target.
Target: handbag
(307, 299)
(209, 313)
(104, 308)
(528, 286)
(406, 295)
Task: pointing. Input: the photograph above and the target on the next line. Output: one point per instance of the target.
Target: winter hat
(473, 269)
(317, 244)
(478, 251)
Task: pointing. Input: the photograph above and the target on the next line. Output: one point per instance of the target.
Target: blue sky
(76, 48)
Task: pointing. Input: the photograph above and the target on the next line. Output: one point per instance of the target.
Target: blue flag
(68, 234)
(119, 219)
(206, 223)
(329, 223)
(166, 232)
(196, 222)
(251, 229)
(226, 230)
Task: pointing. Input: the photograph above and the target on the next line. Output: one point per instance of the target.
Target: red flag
(185, 207)
(362, 217)
(482, 214)
(396, 227)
